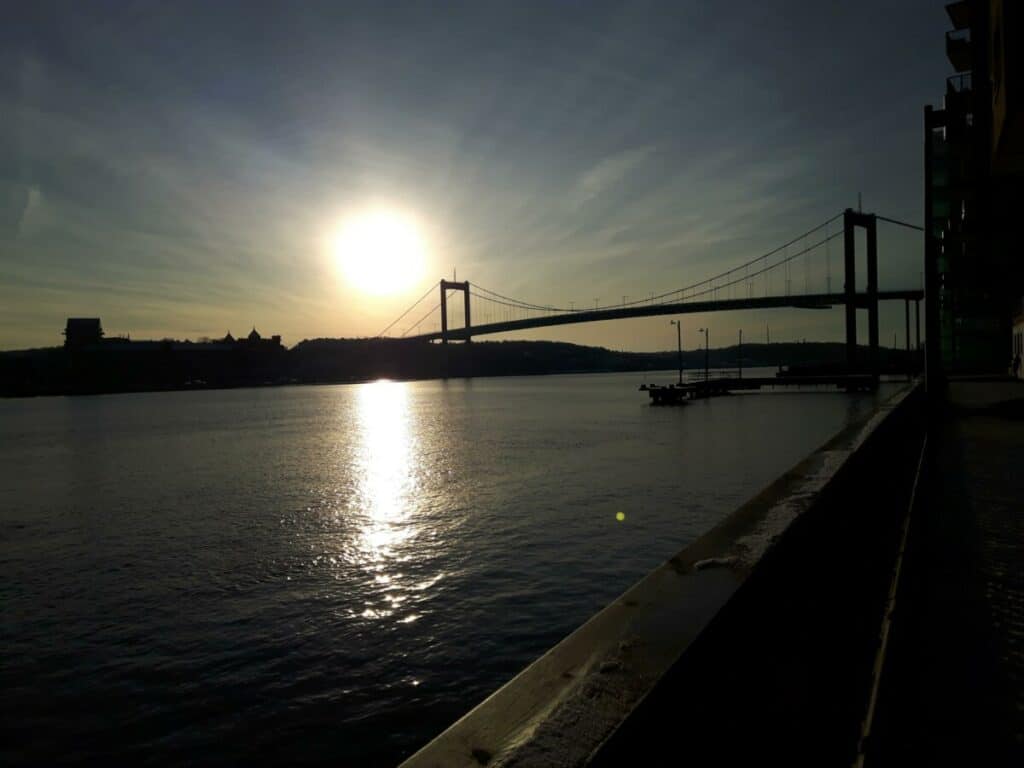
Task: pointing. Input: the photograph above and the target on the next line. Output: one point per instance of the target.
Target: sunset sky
(184, 169)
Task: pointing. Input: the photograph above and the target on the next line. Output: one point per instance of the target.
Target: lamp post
(739, 355)
(705, 332)
(679, 345)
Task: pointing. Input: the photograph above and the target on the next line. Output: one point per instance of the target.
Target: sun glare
(380, 252)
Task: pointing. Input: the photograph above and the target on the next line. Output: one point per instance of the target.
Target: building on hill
(255, 340)
(82, 331)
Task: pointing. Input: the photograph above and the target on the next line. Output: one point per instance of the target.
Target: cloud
(33, 216)
(607, 174)
(14, 203)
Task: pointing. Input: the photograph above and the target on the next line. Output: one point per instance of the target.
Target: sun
(380, 252)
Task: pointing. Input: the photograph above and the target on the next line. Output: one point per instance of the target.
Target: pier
(677, 394)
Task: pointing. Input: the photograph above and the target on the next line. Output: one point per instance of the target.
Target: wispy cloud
(609, 173)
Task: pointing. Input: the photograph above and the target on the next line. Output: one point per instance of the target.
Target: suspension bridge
(770, 280)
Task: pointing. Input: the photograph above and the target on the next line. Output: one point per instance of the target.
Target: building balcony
(959, 14)
(959, 83)
(958, 100)
(958, 50)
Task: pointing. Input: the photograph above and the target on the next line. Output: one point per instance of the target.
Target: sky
(181, 169)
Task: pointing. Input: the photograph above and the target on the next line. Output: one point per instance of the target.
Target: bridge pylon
(451, 285)
(851, 220)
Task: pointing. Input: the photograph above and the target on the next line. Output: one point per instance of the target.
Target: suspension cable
(410, 309)
(429, 313)
(906, 224)
(518, 305)
(514, 302)
(767, 268)
(679, 294)
(650, 299)
(776, 264)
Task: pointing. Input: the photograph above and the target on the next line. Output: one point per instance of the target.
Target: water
(332, 575)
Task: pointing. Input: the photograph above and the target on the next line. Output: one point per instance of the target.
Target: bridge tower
(451, 285)
(851, 220)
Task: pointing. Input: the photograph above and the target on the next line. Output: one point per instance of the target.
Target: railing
(959, 83)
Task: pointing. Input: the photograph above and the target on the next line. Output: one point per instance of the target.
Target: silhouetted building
(82, 331)
(87, 332)
(974, 175)
(255, 340)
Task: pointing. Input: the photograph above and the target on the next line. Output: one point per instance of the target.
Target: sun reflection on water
(382, 539)
(386, 472)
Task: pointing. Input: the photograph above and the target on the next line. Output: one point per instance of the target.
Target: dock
(678, 394)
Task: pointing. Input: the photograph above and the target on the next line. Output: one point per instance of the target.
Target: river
(333, 574)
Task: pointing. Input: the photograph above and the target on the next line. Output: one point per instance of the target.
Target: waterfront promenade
(787, 677)
(878, 623)
(954, 685)
(756, 641)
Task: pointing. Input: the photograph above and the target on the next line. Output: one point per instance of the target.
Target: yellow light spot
(620, 516)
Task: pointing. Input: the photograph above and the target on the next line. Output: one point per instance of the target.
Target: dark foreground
(782, 674)
(881, 626)
(953, 690)
(785, 672)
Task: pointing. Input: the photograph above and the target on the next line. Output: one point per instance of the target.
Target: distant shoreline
(58, 371)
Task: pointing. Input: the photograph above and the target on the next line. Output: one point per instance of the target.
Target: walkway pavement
(953, 690)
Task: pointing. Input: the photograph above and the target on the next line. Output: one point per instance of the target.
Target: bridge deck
(809, 301)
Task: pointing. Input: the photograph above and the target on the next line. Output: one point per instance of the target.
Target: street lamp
(679, 345)
(739, 355)
(705, 332)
